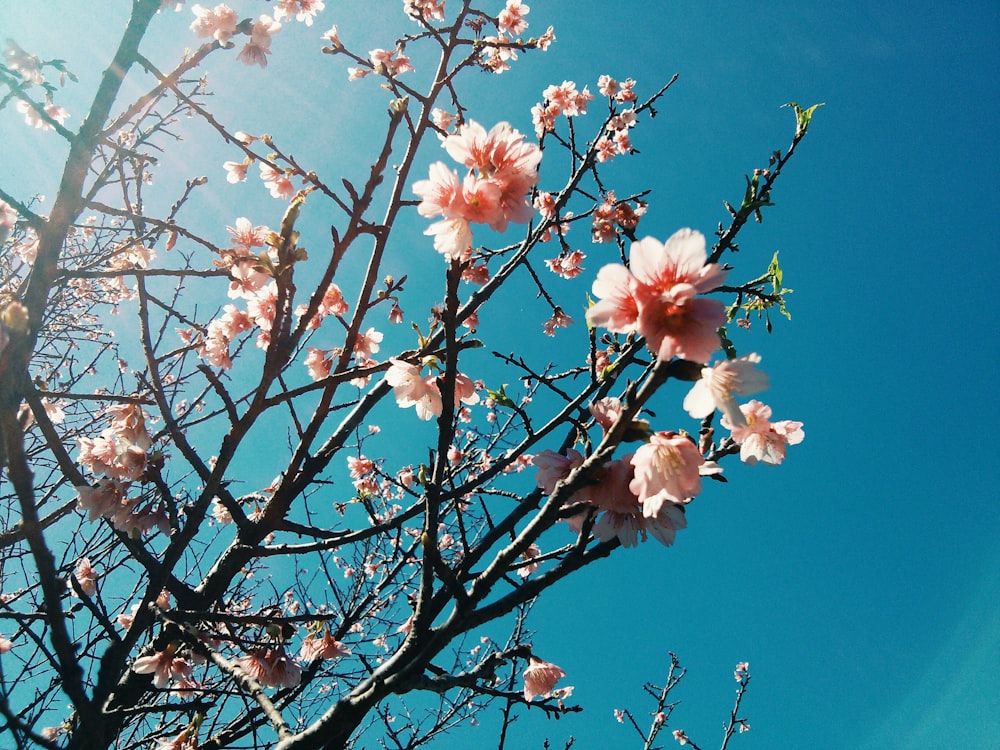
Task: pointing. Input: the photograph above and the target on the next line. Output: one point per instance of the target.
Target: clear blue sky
(860, 579)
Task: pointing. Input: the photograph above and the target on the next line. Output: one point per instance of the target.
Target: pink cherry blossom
(5, 644)
(511, 20)
(553, 467)
(366, 344)
(617, 310)
(718, 385)
(35, 120)
(162, 665)
(452, 238)
(236, 171)
(666, 470)
(656, 296)
(218, 23)
(303, 10)
(540, 678)
(568, 265)
(763, 440)
(277, 182)
(322, 647)
(318, 363)
(332, 36)
(410, 389)
(428, 10)
(86, 576)
(559, 319)
(255, 51)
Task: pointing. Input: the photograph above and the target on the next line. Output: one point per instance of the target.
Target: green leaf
(499, 396)
(774, 271)
(802, 116)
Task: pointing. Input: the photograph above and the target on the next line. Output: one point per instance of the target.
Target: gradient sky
(859, 579)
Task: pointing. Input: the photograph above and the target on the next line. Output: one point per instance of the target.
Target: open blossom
(511, 19)
(218, 23)
(392, 62)
(410, 389)
(272, 667)
(277, 182)
(559, 319)
(35, 120)
(540, 678)
(503, 168)
(657, 296)
(666, 470)
(322, 647)
(718, 385)
(236, 171)
(86, 576)
(255, 51)
(303, 10)
(428, 10)
(763, 440)
(26, 65)
(568, 265)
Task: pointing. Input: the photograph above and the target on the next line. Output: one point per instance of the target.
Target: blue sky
(859, 579)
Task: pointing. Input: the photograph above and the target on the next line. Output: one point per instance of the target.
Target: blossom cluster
(645, 493)
(502, 169)
(410, 388)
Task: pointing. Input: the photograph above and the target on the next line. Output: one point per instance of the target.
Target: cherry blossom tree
(158, 356)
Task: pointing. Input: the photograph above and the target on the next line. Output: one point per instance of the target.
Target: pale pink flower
(559, 319)
(221, 513)
(718, 385)
(160, 664)
(617, 309)
(101, 500)
(545, 40)
(5, 644)
(568, 265)
(607, 85)
(428, 10)
(322, 647)
(511, 19)
(391, 62)
(441, 118)
(35, 120)
(303, 10)
(657, 297)
(367, 344)
(465, 390)
(271, 667)
(526, 569)
(410, 389)
(255, 51)
(680, 736)
(218, 23)
(248, 279)
(554, 467)
(86, 576)
(666, 470)
(236, 171)
(438, 193)
(763, 440)
(277, 182)
(540, 678)
(318, 363)
(452, 238)
(333, 37)
(26, 65)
